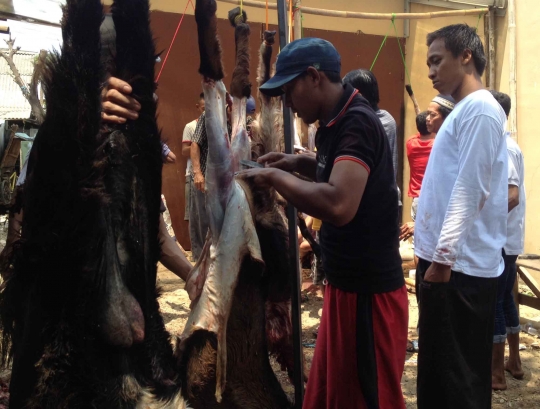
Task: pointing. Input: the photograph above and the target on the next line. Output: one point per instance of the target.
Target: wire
(380, 48)
(174, 38)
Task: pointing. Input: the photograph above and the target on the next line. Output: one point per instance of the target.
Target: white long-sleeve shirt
(463, 208)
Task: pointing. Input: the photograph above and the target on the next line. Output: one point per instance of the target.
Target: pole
(407, 22)
(369, 16)
(513, 68)
(298, 378)
(297, 10)
(490, 40)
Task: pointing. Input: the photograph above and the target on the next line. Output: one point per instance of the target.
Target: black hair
(444, 111)
(365, 82)
(421, 123)
(458, 38)
(201, 96)
(503, 99)
(333, 77)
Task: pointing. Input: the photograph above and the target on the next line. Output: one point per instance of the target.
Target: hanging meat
(240, 288)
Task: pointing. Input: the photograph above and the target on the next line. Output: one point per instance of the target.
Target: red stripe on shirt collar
(343, 110)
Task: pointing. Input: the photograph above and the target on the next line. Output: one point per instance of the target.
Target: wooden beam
(368, 16)
(529, 301)
(531, 264)
(529, 280)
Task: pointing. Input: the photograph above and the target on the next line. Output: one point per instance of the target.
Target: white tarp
(44, 10)
(32, 37)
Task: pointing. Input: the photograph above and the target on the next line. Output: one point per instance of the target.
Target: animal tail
(265, 57)
(240, 85)
(209, 46)
(267, 128)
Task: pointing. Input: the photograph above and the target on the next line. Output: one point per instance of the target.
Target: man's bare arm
(186, 149)
(198, 177)
(513, 197)
(334, 202)
(305, 164)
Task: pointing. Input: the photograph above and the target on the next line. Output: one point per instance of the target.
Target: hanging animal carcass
(81, 311)
(241, 285)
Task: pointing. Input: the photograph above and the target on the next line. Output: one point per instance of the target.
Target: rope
(380, 48)
(401, 51)
(478, 23)
(174, 38)
(241, 6)
(266, 15)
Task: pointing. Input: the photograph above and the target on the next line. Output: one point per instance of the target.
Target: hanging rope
(174, 38)
(478, 23)
(380, 48)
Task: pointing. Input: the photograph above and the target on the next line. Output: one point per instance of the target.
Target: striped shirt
(200, 138)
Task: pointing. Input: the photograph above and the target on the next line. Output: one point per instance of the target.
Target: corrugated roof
(13, 104)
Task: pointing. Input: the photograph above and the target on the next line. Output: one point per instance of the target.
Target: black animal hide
(81, 309)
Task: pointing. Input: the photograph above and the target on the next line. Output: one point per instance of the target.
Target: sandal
(412, 346)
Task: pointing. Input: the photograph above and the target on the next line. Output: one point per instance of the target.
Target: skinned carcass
(80, 311)
(244, 267)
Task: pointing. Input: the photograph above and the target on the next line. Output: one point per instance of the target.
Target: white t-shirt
(516, 218)
(189, 130)
(463, 208)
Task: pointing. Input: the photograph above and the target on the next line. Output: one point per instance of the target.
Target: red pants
(360, 352)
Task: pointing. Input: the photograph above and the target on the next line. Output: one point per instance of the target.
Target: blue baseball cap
(250, 105)
(296, 57)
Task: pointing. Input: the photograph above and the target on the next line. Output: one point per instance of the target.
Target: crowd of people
(468, 220)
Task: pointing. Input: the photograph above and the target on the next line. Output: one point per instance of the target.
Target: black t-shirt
(362, 256)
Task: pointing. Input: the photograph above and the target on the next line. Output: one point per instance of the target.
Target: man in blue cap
(362, 339)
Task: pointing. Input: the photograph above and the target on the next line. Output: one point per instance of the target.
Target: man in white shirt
(460, 229)
(189, 130)
(507, 317)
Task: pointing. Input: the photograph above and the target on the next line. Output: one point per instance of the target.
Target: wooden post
(513, 68)
(491, 50)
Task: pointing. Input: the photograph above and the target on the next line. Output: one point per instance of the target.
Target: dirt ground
(175, 303)
(520, 394)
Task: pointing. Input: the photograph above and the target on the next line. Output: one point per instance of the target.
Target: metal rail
(298, 376)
